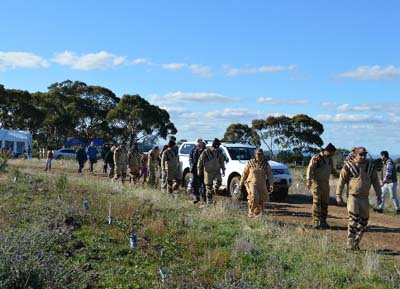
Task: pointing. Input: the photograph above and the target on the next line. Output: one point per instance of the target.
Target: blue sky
(213, 63)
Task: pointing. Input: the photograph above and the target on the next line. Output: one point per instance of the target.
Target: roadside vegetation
(49, 240)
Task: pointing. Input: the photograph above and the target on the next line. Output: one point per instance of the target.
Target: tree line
(73, 108)
(299, 134)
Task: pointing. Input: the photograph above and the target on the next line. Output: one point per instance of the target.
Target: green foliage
(73, 108)
(306, 133)
(301, 133)
(289, 157)
(241, 133)
(140, 118)
(61, 183)
(4, 157)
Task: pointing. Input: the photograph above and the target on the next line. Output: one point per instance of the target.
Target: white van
(236, 157)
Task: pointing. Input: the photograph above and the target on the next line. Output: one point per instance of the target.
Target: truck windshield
(241, 153)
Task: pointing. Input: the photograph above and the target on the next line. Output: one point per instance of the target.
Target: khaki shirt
(152, 162)
(170, 159)
(320, 168)
(211, 160)
(255, 173)
(360, 177)
(120, 156)
(134, 160)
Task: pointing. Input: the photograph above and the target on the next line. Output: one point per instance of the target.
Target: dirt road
(383, 230)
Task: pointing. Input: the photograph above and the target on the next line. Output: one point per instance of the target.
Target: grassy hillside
(49, 240)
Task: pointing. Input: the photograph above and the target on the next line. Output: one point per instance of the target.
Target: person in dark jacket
(198, 187)
(109, 160)
(92, 155)
(104, 151)
(81, 158)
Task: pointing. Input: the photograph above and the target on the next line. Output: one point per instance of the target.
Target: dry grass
(218, 257)
(210, 247)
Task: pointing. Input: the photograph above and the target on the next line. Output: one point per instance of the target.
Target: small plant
(15, 174)
(4, 157)
(61, 183)
(27, 260)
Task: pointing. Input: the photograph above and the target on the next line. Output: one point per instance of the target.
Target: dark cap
(216, 142)
(172, 137)
(199, 140)
(330, 147)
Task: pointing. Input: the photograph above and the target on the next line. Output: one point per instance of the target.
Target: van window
(186, 149)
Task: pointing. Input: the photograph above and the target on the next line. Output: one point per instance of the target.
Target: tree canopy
(73, 108)
(300, 133)
(238, 132)
(140, 118)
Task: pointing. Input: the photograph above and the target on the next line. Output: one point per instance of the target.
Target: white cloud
(197, 69)
(375, 72)
(90, 61)
(350, 118)
(13, 59)
(140, 61)
(382, 108)
(174, 66)
(200, 70)
(329, 105)
(180, 97)
(210, 124)
(273, 101)
(260, 69)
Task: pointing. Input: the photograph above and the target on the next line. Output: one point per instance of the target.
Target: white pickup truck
(236, 156)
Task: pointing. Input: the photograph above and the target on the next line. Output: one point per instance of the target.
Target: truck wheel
(234, 189)
(279, 195)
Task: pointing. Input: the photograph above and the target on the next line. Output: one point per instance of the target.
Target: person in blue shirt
(92, 155)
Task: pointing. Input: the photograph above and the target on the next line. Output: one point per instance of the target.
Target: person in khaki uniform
(210, 164)
(121, 161)
(170, 166)
(360, 173)
(134, 163)
(254, 179)
(318, 172)
(152, 165)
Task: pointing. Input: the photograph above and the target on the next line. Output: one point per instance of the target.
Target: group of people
(207, 166)
(140, 165)
(358, 174)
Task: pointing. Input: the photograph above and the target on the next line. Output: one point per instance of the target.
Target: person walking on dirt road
(318, 172)
(389, 180)
(210, 165)
(254, 179)
(360, 174)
